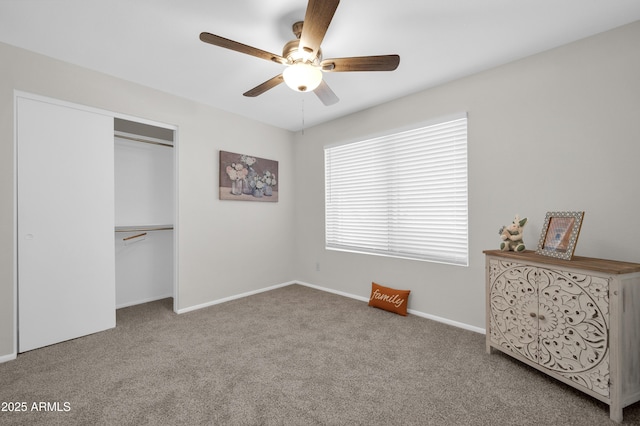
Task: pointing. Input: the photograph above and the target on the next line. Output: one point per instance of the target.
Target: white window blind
(401, 195)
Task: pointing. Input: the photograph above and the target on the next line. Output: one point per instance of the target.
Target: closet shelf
(146, 139)
(143, 228)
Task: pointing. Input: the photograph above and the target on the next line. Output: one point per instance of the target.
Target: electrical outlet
(317, 266)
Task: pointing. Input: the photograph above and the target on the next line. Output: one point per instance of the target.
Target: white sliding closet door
(66, 265)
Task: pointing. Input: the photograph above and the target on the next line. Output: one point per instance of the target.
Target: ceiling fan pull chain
(303, 116)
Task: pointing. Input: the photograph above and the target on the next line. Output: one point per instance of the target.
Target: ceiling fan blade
(261, 88)
(325, 94)
(361, 63)
(316, 22)
(242, 48)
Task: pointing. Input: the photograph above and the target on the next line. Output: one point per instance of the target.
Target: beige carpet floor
(291, 356)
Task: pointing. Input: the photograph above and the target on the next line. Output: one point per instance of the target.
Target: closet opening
(144, 213)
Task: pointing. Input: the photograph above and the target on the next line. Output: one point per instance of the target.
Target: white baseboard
(9, 357)
(340, 293)
(448, 321)
(139, 302)
(237, 296)
(411, 311)
(329, 290)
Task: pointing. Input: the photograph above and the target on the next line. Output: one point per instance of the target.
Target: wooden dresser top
(577, 262)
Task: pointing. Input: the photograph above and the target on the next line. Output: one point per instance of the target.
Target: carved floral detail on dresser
(558, 319)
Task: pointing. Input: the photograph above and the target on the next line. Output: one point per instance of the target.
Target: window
(401, 195)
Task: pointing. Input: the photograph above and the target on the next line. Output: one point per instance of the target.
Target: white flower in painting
(259, 184)
(249, 161)
(269, 178)
(232, 172)
(236, 171)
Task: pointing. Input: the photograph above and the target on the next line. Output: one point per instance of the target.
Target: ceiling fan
(303, 56)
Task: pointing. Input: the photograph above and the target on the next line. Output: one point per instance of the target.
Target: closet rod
(134, 236)
(144, 140)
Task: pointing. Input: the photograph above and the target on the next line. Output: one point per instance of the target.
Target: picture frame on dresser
(560, 234)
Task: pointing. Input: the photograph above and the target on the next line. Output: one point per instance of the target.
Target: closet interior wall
(144, 212)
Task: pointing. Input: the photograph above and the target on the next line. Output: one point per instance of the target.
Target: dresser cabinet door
(514, 308)
(573, 318)
(557, 319)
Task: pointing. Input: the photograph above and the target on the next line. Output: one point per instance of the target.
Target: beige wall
(556, 131)
(225, 248)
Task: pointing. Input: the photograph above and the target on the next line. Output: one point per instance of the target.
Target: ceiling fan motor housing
(294, 54)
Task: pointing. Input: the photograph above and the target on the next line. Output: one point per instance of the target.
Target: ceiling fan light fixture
(302, 77)
(303, 56)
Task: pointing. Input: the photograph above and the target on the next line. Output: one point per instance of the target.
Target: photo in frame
(248, 178)
(560, 234)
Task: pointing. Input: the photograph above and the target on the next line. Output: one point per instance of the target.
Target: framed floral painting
(248, 178)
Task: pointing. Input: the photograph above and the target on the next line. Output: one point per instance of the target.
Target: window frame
(455, 252)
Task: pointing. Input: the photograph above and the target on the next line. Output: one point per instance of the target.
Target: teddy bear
(512, 235)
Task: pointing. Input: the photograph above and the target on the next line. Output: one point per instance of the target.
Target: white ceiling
(155, 43)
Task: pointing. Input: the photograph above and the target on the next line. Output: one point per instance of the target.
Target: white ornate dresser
(576, 320)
